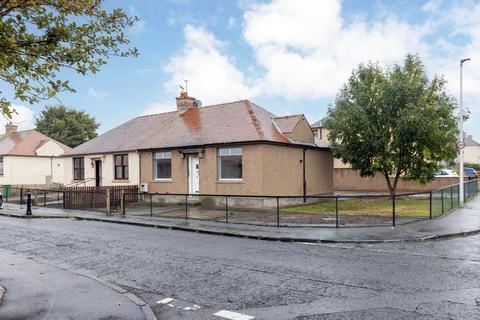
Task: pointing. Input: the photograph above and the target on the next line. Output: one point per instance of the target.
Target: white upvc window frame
(159, 155)
(225, 152)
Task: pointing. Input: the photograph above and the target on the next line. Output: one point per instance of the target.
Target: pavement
(459, 222)
(35, 290)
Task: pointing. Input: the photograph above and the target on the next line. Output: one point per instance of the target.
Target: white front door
(193, 175)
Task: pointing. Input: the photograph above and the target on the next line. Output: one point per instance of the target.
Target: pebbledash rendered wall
(346, 179)
(268, 170)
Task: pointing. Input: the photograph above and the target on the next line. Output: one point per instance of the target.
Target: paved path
(203, 274)
(461, 221)
(37, 290)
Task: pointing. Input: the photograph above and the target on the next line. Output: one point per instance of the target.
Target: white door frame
(193, 174)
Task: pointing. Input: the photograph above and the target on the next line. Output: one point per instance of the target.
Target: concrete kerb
(244, 235)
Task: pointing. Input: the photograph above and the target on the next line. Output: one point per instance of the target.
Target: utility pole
(461, 143)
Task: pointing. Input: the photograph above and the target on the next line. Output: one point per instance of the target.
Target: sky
(288, 56)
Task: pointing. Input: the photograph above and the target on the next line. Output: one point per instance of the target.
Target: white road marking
(165, 301)
(232, 315)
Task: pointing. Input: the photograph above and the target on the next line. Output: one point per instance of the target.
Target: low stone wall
(350, 180)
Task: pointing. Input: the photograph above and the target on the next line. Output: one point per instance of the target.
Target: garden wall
(350, 180)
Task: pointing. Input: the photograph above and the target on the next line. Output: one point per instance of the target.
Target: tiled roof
(25, 143)
(239, 121)
(288, 123)
(470, 142)
(319, 124)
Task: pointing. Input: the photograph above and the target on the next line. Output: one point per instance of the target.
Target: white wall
(32, 170)
(107, 170)
(50, 148)
(471, 154)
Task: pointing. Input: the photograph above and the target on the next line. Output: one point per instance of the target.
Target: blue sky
(289, 56)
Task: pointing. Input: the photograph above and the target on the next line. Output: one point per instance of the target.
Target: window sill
(121, 181)
(240, 181)
(163, 180)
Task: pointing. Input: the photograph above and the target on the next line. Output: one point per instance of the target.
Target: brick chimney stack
(184, 102)
(10, 128)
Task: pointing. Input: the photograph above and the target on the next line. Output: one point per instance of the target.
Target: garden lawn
(413, 207)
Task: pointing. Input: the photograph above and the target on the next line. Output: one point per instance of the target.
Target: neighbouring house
(471, 152)
(321, 136)
(30, 158)
(348, 180)
(235, 148)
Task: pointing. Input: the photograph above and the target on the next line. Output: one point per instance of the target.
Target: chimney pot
(10, 128)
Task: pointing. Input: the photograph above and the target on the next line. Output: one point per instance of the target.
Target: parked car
(469, 172)
(446, 173)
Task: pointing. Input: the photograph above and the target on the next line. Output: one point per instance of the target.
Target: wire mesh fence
(328, 210)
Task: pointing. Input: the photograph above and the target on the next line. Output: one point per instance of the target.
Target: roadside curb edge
(248, 236)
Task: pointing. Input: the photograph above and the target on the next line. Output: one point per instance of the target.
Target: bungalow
(231, 148)
(30, 158)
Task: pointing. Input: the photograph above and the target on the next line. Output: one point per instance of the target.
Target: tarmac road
(205, 274)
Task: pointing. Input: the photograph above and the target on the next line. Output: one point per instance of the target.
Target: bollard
(29, 204)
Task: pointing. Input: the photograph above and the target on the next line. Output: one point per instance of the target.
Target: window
(230, 163)
(1, 166)
(78, 169)
(121, 166)
(162, 165)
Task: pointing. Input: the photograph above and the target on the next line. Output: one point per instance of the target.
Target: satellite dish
(198, 103)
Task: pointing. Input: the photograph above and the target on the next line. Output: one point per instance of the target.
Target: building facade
(30, 158)
(235, 148)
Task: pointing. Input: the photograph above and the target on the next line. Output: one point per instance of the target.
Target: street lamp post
(461, 140)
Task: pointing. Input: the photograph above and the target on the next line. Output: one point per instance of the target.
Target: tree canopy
(394, 122)
(39, 38)
(67, 125)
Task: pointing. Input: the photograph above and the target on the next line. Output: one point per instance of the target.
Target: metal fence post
(336, 211)
(278, 212)
(21, 195)
(430, 206)
(451, 197)
(226, 209)
(186, 206)
(29, 204)
(393, 210)
(443, 209)
(44, 198)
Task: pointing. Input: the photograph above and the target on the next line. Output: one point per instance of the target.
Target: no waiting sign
(461, 144)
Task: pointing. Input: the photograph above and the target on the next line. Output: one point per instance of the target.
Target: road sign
(461, 144)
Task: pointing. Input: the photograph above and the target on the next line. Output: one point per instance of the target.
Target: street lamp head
(464, 60)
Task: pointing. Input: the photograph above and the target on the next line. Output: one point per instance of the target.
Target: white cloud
(232, 23)
(96, 94)
(160, 107)
(22, 116)
(311, 50)
(212, 75)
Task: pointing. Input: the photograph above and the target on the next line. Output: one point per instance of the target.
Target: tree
(394, 122)
(39, 38)
(67, 125)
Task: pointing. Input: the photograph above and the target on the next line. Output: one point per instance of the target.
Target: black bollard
(29, 204)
